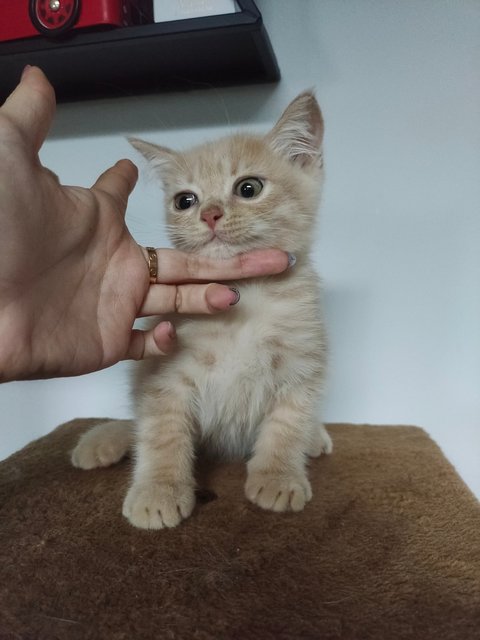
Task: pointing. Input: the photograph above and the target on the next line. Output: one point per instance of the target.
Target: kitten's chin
(218, 250)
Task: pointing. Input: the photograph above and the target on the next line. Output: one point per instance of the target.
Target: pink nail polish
(237, 294)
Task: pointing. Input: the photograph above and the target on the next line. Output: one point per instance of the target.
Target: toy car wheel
(53, 17)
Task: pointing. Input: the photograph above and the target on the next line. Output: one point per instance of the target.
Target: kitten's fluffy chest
(231, 368)
(243, 341)
(238, 362)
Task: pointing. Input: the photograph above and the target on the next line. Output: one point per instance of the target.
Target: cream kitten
(244, 383)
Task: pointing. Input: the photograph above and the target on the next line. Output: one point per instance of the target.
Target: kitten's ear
(159, 158)
(299, 132)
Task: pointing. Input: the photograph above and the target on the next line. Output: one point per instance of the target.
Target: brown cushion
(388, 548)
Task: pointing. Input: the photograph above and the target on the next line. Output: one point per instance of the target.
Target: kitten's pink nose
(211, 216)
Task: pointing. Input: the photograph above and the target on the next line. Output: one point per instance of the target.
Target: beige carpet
(389, 548)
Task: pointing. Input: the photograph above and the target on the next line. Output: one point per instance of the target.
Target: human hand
(72, 278)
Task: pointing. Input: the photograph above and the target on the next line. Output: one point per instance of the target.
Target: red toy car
(27, 18)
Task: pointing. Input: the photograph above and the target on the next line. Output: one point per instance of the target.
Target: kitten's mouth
(217, 245)
(218, 238)
(218, 242)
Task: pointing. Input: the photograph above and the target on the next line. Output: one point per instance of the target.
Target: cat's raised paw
(157, 505)
(278, 492)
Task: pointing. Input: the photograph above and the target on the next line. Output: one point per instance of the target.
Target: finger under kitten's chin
(255, 261)
(266, 262)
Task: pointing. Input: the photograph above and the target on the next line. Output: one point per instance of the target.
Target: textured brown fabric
(389, 548)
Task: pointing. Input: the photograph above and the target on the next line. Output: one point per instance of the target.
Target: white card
(166, 10)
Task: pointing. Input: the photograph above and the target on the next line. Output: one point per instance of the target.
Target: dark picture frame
(186, 54)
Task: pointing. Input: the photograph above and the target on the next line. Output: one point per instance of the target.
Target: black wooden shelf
(183, 54)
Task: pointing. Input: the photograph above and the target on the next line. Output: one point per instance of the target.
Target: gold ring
(152, 264)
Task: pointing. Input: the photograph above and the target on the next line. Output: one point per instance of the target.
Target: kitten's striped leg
(162, 493)
(103, 445)
(277, 478)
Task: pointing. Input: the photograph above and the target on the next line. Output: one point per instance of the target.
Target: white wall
(398, 243)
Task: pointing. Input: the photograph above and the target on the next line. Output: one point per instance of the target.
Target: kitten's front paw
(155, 505)
(278, 492)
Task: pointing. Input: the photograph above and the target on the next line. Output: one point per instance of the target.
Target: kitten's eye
(185, 200)
(248, 187)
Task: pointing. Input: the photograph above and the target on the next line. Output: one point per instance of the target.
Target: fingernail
(26, 70)
(237, 294)
(172, 332)
(291, 260)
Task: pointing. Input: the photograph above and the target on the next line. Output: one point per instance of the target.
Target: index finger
(31, 107)
(180, 267)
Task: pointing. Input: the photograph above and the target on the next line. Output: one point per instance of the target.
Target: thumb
(118, 182)
(31, 107)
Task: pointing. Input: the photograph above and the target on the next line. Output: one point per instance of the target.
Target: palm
(99, 276)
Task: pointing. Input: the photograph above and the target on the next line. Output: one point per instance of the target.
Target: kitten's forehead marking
(234, 156)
